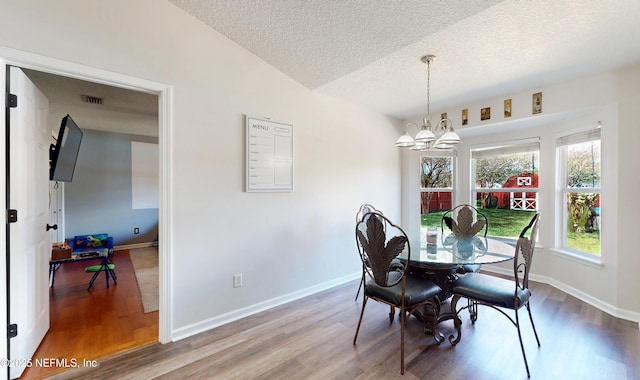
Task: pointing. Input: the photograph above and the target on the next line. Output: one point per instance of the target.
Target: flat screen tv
(64, 153)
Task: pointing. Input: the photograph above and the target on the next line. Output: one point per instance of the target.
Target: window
(436, 188)
(505, 185)
(579, 165)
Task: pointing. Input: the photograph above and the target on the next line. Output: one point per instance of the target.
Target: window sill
(595, 261)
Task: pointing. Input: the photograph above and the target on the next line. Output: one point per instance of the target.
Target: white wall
(612, 98)
(285, 244)
(100, 197)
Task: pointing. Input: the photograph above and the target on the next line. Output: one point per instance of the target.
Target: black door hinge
(12, 330)
(12, 100)
(12, 216)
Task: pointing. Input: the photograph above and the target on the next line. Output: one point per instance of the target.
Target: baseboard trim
(208, 324)
(136, 245)
(595, 302)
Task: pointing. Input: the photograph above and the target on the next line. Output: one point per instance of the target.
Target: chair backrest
(365, 208)
(524, 250)
(379, 243)
(464, 220)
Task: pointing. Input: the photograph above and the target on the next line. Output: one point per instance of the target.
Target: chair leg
(362, 279)
(532, 324)
(113, 276)
(473, 310)
(359, 287)
(364, 303)
(524, 355)
(93, 278)
(392, 313)
(108, 272)
(402, 320)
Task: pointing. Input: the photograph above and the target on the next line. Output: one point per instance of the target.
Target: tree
(583, 164)
(494, 171)
(583, 170)
(581, 214)
(436, 172)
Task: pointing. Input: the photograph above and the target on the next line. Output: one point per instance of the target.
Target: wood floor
(312, 339)
(93, 324)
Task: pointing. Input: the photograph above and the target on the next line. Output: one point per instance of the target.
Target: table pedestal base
(444, 278)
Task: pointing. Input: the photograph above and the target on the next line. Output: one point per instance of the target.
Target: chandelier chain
(428, 86)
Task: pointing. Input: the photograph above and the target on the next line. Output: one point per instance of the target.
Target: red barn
(517, 199)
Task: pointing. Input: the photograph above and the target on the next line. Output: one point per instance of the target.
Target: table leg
(52, 272)
(457, 323)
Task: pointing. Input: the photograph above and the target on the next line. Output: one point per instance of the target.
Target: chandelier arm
(410, 124)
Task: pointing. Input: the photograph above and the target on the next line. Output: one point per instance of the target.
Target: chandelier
(441, 137)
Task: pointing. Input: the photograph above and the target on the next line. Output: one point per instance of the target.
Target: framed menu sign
(269, 155)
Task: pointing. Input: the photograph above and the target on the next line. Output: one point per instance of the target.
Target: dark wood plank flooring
(312, 339)
(89, 325)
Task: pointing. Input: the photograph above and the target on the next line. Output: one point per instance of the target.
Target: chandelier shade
(425, 134)
(405, 141)
(449, 136)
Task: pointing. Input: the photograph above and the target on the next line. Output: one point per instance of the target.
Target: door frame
(55, 66)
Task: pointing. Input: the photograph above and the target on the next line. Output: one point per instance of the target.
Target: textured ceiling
(368, 52)
(122, 110)
(316, 42)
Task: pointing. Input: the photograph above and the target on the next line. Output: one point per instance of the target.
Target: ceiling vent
(92, 99)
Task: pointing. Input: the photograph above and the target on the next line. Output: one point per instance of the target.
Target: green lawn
(585, 241)
(509, 223)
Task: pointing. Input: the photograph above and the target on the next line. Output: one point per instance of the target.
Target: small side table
(101, 254)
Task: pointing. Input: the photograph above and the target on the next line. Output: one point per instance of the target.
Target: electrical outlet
(136, 230)
(237, 280)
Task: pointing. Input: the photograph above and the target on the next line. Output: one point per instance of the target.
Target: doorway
(66, 69)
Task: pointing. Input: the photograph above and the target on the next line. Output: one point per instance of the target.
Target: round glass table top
(449, 250)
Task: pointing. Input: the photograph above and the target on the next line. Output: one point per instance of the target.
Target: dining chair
(106, 267)
(464, 220)
(468, 220)
(500, 293)
(379, 243)
(364, 209)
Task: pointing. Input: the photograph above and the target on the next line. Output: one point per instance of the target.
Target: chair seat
(417, 290)
(98, 268)
(493, 290)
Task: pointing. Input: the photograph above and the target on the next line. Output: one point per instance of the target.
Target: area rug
(145, 265)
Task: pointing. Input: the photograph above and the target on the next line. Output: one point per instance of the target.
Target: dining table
(439, 257)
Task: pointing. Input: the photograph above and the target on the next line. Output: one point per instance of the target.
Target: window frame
(562, 143)
(498, 149)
